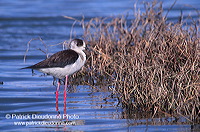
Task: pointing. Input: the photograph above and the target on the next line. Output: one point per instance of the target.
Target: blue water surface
(23, 95)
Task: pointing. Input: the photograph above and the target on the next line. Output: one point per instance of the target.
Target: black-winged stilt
(64, 63)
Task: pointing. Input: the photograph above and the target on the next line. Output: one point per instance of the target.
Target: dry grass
(152, 64)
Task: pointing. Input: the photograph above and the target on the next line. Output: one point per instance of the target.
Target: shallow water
(30, 100)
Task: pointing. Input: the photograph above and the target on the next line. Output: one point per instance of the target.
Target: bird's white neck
(81, 53)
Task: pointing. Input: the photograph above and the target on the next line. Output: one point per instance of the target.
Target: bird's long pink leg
(65, 94)
(58, 87)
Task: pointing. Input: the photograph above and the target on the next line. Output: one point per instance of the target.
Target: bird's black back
(59, 59)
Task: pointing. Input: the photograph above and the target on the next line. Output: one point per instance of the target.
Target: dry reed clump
(152, 64)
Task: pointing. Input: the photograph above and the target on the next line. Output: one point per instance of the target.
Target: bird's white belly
(60, 73)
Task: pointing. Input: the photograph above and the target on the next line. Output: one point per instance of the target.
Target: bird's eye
(79, 42)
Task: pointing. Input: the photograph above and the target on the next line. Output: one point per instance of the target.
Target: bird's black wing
(59, 59)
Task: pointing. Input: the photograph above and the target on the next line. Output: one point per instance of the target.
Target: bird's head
(77, 44)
